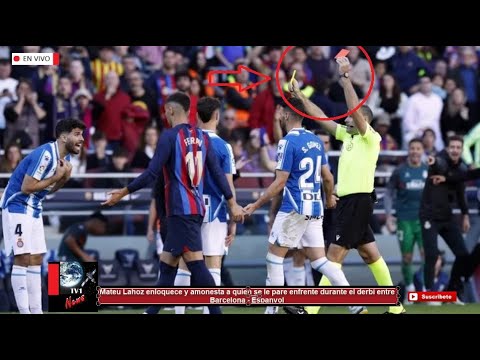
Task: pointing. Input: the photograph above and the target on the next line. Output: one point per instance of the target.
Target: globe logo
(71, 274)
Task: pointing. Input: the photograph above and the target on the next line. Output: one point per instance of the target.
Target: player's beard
(72, 148)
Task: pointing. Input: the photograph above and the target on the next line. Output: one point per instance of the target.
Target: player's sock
(20, 288)
(167, 274)
(382, 276)
(183, 280)
(216, 274)
(331, 271)
(312, 310)
(308, 273)
(201, 277)
(298, 276)
(34, 286)
(288, 271)
(407, 272)
(275, 269)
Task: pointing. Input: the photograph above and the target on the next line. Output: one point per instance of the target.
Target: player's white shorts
(23, 233)
(213, 238)
(158, 242)
(294, 230)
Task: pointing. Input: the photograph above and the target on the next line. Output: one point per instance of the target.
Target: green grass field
(412, 309)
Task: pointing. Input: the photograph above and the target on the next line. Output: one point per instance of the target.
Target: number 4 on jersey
(18, 230)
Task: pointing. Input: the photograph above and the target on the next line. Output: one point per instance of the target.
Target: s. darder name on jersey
(310, 145)
(192, 141)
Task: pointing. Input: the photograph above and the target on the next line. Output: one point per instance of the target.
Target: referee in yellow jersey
(356, 173)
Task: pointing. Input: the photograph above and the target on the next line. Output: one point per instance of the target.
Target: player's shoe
(357, 310)
(295, 310)
(390, 313)
(271, 310)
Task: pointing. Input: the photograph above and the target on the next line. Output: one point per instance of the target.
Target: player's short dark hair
(454, 138)
(206, 106)
(415, 140)
(367, 112)
(181, 99)
(98, 215)
(297, 104)
(67, 125)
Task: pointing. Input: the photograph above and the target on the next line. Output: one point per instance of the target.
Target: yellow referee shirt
(358, 160)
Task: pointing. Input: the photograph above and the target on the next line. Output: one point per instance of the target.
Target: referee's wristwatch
(345, 75)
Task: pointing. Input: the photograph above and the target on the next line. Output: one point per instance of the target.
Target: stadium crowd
(425, 92)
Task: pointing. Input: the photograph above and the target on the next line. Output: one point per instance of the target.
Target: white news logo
(35, 58)
(412, 296)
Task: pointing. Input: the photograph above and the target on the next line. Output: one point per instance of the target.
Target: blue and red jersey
(183, 153)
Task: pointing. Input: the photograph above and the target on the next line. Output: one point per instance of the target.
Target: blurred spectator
(152, 56)
(423, 111)
(389, 101)
(408, 67)
(252, 152)
(228, 55)
(382, 126)
(23, 116)
(76, 71)
(299, 54)
(467, 77)
(227, 124)
(45, 81)
(83, 110)
(104, 65)
(360, 73)
(241, 101)
(10, 161)
(429, 139)
(135, 117)
(99, 159)
(380, 70)
(130, 65)
(146, 148)
(119, 164)
(162, 82)
(321, 66)
(184, 81)
(456, 119)
(263, 106)
(26, 71)
(441, 68)
(138, 92)
(438, 86)
(107, 109)
(449, 85)
(8, 86)
(62, 107)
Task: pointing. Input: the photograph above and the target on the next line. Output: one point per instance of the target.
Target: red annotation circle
(277, 81)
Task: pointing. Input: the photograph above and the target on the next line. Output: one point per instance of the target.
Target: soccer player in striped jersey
(45, 170)
(182, 153)
(217, 234)
(301, 166)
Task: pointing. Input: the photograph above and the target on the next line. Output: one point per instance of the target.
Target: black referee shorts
(353, 221)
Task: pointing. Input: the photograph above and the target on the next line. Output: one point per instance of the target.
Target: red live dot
(16, 58)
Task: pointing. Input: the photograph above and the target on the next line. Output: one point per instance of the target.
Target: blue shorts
(184, 234)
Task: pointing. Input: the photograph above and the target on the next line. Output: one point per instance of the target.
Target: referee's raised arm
(351, 96)
(312, 109)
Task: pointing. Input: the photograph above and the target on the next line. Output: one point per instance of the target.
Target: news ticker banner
(249, 296)
(35, 58)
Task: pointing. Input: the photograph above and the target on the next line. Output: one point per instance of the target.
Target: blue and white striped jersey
(41, 164)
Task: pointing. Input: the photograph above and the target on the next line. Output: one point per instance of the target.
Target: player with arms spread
(182, 152)
(44, 171)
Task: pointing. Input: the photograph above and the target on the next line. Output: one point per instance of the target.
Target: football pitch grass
(325, 310)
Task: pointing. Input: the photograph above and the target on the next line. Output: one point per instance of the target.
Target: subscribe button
(426, 296)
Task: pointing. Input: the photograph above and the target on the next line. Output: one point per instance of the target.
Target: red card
(342, 53)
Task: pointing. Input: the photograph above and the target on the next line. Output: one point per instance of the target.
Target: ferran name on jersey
(193, 140)
(311, 145)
